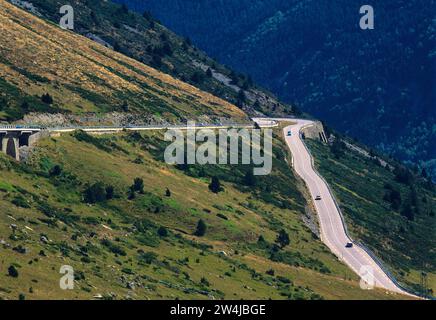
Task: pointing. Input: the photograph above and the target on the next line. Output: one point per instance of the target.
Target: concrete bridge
(13, 138)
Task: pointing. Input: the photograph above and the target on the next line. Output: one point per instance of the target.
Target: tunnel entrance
(11, 149)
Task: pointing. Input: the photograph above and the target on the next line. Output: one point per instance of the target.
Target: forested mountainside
(142, 38)
(130, 225)
(377, 85)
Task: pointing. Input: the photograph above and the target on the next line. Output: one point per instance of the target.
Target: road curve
(333, 232)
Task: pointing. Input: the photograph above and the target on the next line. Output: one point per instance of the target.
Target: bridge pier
(10, 146)
(12, 139)
(2, 135)
(25, 138)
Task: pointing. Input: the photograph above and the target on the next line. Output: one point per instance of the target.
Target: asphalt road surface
(333, 232)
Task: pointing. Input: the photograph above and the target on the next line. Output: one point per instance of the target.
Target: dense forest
(375, 85)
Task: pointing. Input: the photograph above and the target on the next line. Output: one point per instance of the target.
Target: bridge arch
(12, 147)
(12, 139)
(24, 139)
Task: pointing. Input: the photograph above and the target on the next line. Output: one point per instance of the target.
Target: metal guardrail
(127, 127)
(359, 243)
(141, 126)
(133, 127)
(228, 125)
(11, 127)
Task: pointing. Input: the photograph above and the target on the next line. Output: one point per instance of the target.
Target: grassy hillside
(131, 226)
(142, 246)
(144, 39)
(39, 58)
(391, 211)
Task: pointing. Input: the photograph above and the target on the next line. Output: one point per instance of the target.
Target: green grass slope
(143, 246)
(391, 211)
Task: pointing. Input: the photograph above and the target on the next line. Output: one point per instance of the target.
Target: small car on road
(349, 245)
(289, 133)
(318, 198)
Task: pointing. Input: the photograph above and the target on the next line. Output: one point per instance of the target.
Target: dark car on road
(349, 245)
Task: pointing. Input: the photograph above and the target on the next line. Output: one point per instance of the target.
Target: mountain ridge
(82, 76)
(142, 38)
(112, 208)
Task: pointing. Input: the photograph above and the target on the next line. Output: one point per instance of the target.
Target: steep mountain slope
(314, 54)
(141, 37)
(72, 204)
(37, 58)
(101, 205)
(126, 222)
(392, 211)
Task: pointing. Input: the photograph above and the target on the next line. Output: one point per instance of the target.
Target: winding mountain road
(333, 232)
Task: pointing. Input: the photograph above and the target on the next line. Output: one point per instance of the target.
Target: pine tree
(25, 106)
(147, 15)
(201, 228)
(424, 173)
(283, 239)
(55, 171)
(408, 212)
(215, 185)
(138, 185)
(124, 9)
(125, 106)
(337, 148)
(47, 99)
(257, 105)
(109, 192)
(242, 98)
(13, 272)
(209, 73)
(250, 179)
(117, 47)
(131, 193)
(95, 193)
(162, 232)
